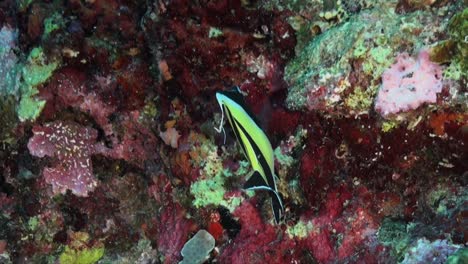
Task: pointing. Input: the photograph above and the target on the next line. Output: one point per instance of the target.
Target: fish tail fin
(276, 206)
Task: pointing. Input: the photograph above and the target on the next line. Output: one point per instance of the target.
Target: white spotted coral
(72, 146)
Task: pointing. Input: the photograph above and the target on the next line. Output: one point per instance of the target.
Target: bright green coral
(29, 107)
(212, 192)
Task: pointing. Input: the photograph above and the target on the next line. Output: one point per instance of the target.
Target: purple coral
(72, 145)
(430, 252)
(408, 84)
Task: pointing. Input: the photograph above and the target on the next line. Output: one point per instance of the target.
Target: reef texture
(108, 152)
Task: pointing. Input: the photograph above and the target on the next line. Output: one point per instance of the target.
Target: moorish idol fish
(254, 143)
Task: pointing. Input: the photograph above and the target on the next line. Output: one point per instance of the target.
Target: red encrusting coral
(136, 144)
(68, 88)
(283, 122)
(214, 226)
(173, 230)
(72, 146)
(319, 244)
(201, 62)
(258, 242)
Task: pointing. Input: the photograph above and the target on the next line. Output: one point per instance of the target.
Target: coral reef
(108, 152)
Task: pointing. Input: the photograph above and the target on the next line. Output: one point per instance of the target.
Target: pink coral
(170, 137)
(408, 84)
(72, 145)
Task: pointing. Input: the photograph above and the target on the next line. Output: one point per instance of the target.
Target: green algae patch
(388, 126)
(453, 50)
(33, 223)
(84, 256)
(212, 192)
(380, 58)
(30, 108)
(360, 100)
(282, 158)
(394, 234)
(459, 257)
(300, 230)
(215, 32)
(52, 24)
(446, 199)
(81, 251)
(36, 71)
(210, 189)
(458, 31)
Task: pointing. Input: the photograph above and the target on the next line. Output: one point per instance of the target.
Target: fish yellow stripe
(246, 140)
(255, 145)
(255, 132)
(251, 154)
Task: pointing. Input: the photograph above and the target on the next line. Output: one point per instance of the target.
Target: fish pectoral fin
(256, 181)
(276, 206)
